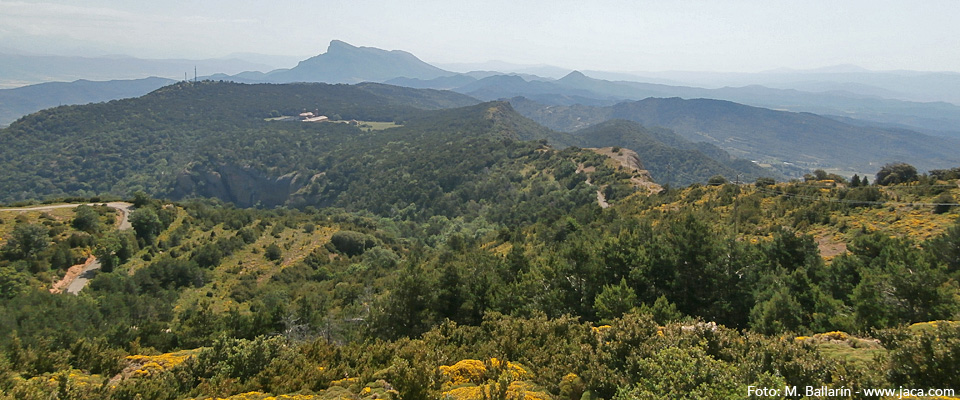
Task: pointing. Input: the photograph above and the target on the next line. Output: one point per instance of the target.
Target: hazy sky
(638, 35)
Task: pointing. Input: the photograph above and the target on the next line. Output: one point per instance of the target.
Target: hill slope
(147, 143)
(670, 158)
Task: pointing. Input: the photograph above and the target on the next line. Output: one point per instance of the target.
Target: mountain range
(899, 99)
(854, 132)
(768, 136)
(936, 118)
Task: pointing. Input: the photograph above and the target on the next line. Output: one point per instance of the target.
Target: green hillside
(155, 143)
(711, 289)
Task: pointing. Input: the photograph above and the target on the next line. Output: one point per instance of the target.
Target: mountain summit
(345, 63)
(574, 76)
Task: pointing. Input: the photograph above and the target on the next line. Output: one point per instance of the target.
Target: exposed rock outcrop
(243, 186)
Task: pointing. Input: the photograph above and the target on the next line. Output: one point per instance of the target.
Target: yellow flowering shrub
(145, 366)
(515, 371)
(600, 329)
(521, 390)
(930, 325)
(466, 393)
(263, 396)
(477, 372)
(75, 378)
(475, 379)
(835, 335)
(517, 390)
(375, 390)
(465, 371)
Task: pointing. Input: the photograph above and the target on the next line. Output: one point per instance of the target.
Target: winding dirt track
(75, 281)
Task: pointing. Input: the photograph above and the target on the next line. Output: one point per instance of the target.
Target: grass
(844, 347)
(376, 126)
(863, 356)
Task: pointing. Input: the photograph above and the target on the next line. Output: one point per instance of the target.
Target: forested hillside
(230, 141)
(150, 142)
(689, 293)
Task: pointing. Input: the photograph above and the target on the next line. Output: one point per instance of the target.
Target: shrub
(352, 243)
(896, 173)
(273, 252)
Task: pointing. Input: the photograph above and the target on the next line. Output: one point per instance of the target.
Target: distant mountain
(769, 136)
(17, 102)
(543, 70)
(506, 86)
(843, 92)
(918, 86)
(20, 70)
(933, 118)
(426, 99)
(344, 63)
(443, 82)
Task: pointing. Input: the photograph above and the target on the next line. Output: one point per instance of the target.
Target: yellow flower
(465, 371)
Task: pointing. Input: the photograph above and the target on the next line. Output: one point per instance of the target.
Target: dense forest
(457, 256)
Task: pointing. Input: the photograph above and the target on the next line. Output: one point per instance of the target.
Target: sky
(610, 35)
